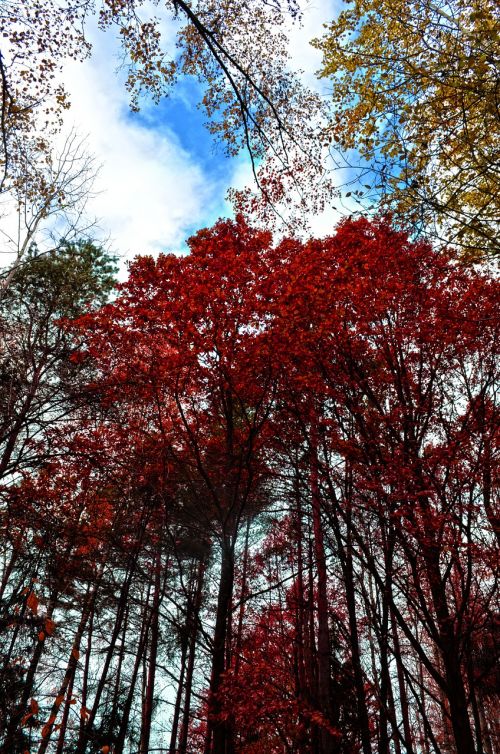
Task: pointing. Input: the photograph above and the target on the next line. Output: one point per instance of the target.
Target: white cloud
(315, 14)
(149, 190)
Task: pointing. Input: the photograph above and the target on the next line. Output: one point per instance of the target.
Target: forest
(249, 493)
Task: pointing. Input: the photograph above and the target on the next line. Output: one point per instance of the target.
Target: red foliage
(375, 354)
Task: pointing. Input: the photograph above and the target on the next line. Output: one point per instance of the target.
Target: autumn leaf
(32, 602)
(50, 627)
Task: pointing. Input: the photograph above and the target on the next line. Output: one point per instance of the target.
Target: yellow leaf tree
(416, 91)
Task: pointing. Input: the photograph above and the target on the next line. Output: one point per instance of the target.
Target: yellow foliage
(416, 90)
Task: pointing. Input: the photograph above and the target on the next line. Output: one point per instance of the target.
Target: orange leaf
(50, 626)
(32, 602)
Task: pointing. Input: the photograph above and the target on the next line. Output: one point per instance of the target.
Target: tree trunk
(217, 730)
(450, 654)
(348, 572)
(124, 726)
(326, 739)
(193, 635)
(403, 697)
(86, 730)
(153, 651)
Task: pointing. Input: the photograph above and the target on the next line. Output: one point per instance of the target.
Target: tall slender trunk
(217, 729)
(124, 723)
(85, 679)
(474, 704)
(68, 676)
(114, 718)
(192, 636)
(450, 654)
(345, 555)
(403, 697)
(241, 610)
(12, 729)
(153, 651)
(8, 568)
(387, 711)
(326, 739)
(61, 739)
(178, 697)
(86, 730)
(301, 691)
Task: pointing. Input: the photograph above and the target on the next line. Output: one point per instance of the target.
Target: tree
(415, 91)
(38, 383)
(45, 196)
(36, 38)
(39, 181)
(280, 476)
(401, 358)
(200, 367)
(38, 393)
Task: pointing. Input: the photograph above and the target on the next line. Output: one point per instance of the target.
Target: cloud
(151, 192)
(315, 14)
(159, 180)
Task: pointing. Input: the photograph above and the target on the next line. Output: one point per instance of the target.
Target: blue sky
(180, 113)
(162, 177)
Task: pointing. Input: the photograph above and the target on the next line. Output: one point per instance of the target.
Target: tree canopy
(268, 524)
(416, 91)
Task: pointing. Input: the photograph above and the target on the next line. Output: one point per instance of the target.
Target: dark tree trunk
(192, 636)
(68, 676)
(12, 729)
(124, 723)
(153, 651)
(403, 697)
(217, 730)
(326, 739)
(178, 697)
(86, 730)
(450, 654)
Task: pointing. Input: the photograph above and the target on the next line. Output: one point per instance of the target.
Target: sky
(161, 175)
